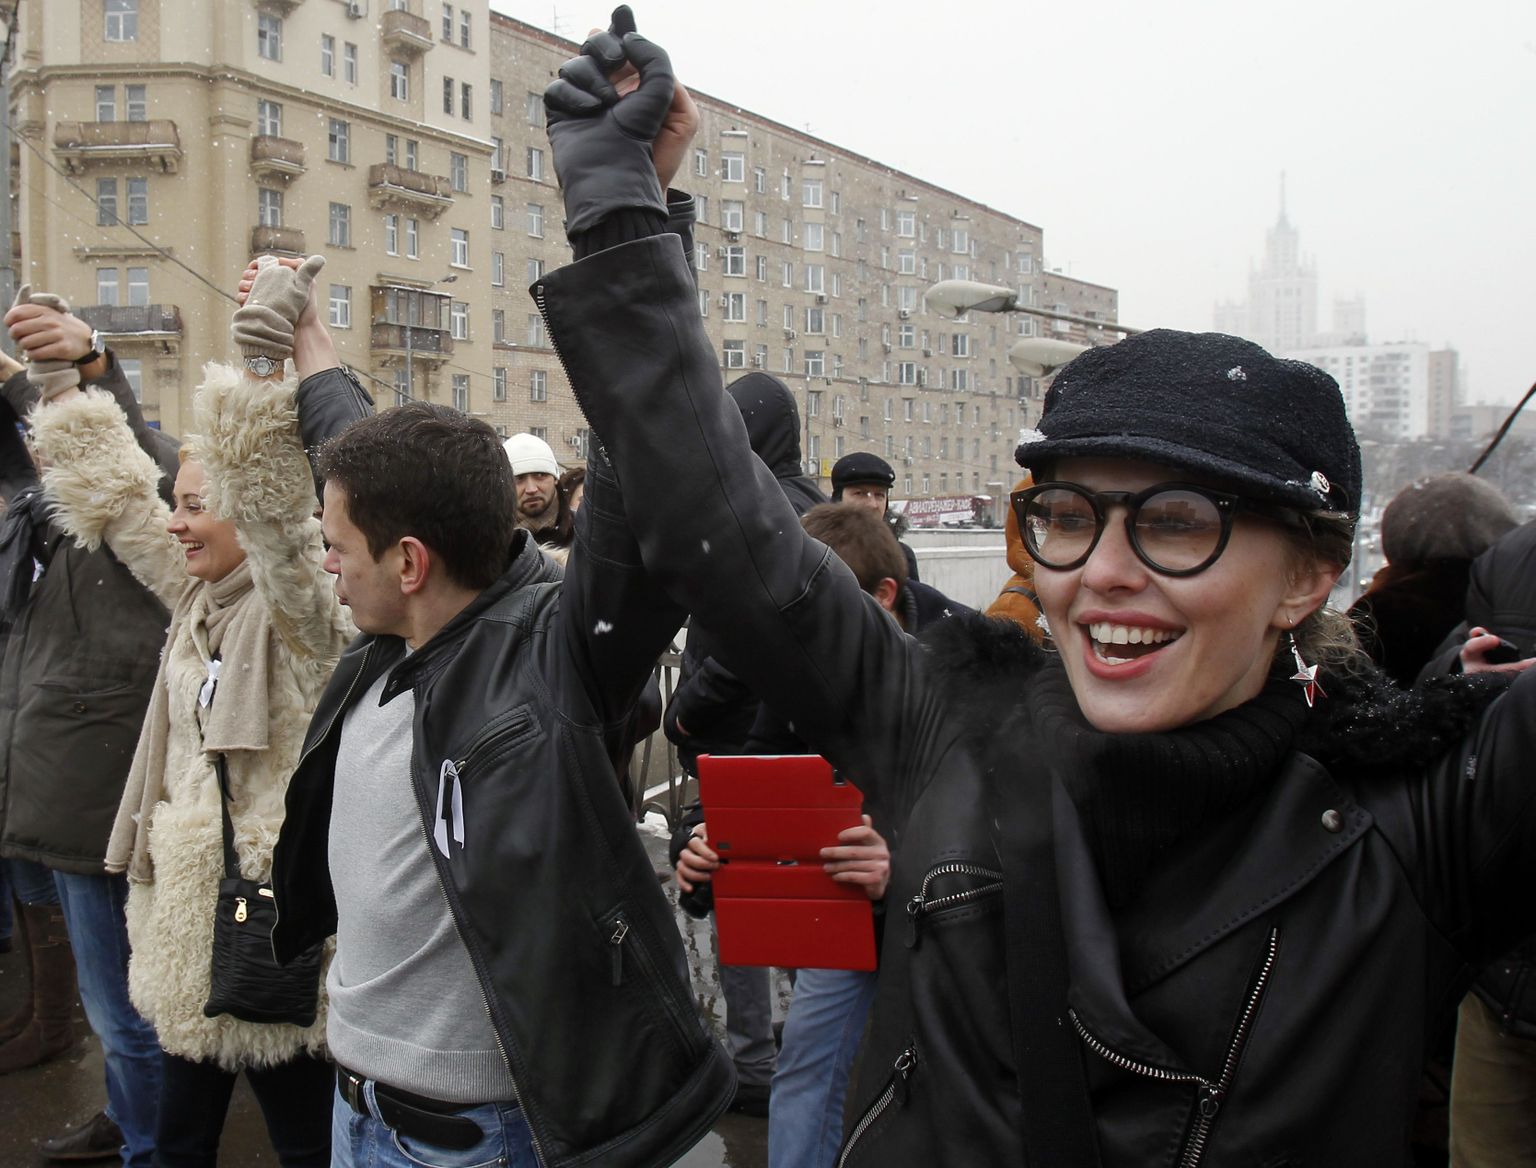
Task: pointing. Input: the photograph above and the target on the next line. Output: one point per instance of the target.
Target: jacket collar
(529, 566)
(1262, 857)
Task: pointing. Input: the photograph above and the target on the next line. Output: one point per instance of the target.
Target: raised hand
(275, 298)
(603, 143)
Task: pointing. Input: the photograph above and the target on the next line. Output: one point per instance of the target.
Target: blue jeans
(93, 914)
(30, 881)
(362, 1141)
(821, 1037)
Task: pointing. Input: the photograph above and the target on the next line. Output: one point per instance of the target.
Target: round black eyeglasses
(1176, 529)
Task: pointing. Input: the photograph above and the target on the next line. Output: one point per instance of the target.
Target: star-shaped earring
(1305, 675)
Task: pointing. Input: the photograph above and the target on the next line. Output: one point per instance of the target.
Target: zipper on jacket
(616, 944)
(1209, 1096)
(920, 904)
(895, 1092)
(496, 740)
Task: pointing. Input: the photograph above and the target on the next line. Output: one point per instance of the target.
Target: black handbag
(247, 982)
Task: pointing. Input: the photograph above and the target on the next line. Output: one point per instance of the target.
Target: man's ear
(886, 592)
(415, 565)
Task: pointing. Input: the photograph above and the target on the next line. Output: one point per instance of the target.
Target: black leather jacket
(1265, 1003)
(529, 692)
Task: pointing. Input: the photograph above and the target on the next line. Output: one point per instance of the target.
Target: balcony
(158, 324)
(405, 32)
(279, 158)
(278, 7)
(288, 241)
(410, 341)
(395, 188)
(81, 145)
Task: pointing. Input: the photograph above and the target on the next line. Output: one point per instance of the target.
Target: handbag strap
(1056, 1118)
(231, 860)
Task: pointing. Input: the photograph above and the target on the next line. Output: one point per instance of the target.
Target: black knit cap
(861, 467)
(1215, 405)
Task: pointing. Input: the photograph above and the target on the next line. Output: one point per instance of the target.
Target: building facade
(407, 144)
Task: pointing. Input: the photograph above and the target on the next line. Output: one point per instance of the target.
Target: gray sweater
(406, 1008)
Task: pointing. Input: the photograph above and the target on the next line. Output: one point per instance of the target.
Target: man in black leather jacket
(1288, 964)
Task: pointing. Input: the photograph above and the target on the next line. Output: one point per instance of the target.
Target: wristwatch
(263, 366)
(97, 349)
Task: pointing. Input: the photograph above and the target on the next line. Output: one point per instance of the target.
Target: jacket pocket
(947, 889)
(892, 1097)
(631, 963)
(500, 737)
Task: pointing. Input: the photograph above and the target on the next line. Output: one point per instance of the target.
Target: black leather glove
(601, 142)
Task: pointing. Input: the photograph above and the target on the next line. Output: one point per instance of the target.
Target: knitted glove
(601, 143)
(263, 325)
(51, 377)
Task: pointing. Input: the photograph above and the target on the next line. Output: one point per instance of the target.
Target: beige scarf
(226, 621)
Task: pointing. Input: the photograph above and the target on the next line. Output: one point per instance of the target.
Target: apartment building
(405, 140)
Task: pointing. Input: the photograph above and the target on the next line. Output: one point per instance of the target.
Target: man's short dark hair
(434, 473)
(861, 539)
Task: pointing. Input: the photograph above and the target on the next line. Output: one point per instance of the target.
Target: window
(269, 118)
(759, 181)
(341, 306)
(814, 237)
(789, 275)
(906, 299)
(906, 263)
(328, 55)
(815, 320)
(448, 95)
(735, 305)
(498, 160)
(732, 213)
(837, 203)
(811, 192)
(535, 164)
(733, 168)
(906, 374)
(760, 223)
(269, 36)
(906, 335)
(138, 287)
(399, 81)
(535, 330)
(837, 243)
(536, 220)
(735, 355)
(734, 260)
(269, 207)
(461, 392)
(464, 30)
(538, 385)
(960, 379)
(762, 267)
(340, 234)
(411, 146)
(460, 243)
(535, 271)
(762, 312)
(392, 234)
(815, 366)
(106, 103)
(701, 208)
(787, 231)
(339, 141)
(960, 241)
(701, 163)
(960, 345)
(458, 171)
(412, 238)
(466, 100)
(703, 302)
(499, 332)
(1026, 263)
(138, 200)
(498, 269)
(499, 383)
(136, 102)
(349, 63)
(122, 23)
(458, 320)
(497, 101)
(815, 278)
(533, 108)
(785, 183)
(906, 223)
(448, 23)
(106, 287)
(498, 213)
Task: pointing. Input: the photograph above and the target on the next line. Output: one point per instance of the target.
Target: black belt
(415, 1116)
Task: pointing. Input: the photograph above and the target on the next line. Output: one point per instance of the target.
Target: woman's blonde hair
(1326, 636)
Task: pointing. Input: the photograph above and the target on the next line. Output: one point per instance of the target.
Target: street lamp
(954, 298)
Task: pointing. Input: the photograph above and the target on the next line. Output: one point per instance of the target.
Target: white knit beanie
(530, 455)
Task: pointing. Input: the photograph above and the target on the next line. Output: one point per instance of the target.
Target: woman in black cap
(1189, 890)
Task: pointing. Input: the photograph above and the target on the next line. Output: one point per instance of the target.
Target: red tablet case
(768, 818)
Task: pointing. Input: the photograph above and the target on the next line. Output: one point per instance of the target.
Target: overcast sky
(1148, 139)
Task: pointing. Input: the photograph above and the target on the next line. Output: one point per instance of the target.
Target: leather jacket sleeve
(722, 539)
(328, 402)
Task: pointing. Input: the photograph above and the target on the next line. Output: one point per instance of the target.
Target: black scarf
(1141, 795)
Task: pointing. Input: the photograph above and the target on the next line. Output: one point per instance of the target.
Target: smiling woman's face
(1147, 652)
(212, 548)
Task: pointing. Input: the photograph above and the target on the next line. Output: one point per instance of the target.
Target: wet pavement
(41, 1102)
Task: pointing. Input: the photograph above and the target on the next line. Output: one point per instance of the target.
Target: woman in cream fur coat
(238, 563)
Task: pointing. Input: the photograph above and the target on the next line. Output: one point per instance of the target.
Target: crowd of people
(317, 724)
